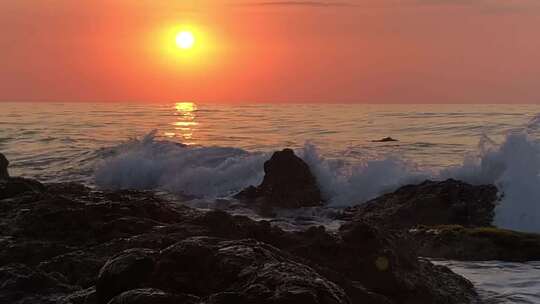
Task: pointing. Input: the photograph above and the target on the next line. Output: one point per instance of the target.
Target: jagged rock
(206, 254)
(153, 296)
(476, 244)
(4, 163)
(127, 271)
(288, 183)
(113, 216)
(246, 270)
(15, 186)
(430, 203)
(85, 296)
(21, 284)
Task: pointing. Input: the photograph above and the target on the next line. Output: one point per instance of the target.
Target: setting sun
(185, 40)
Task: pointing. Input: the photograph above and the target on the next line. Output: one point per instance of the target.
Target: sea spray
(345, 184)
(513, 166)
(201, 171)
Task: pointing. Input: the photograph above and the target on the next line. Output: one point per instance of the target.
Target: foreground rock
(448, 220)
(288, 183)
(220, 271)
(430, 203)
(64, 243)
(476, 244)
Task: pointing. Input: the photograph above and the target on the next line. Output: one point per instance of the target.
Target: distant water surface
(213, 150)
(44, 139)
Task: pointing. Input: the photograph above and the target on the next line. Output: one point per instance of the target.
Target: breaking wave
(148, 163)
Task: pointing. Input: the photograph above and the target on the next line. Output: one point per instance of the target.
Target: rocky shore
(66, 243)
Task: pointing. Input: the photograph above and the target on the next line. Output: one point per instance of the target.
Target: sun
(185, 40)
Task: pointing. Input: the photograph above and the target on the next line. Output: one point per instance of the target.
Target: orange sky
(418, 51)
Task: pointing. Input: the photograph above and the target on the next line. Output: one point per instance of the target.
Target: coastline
(72, 244)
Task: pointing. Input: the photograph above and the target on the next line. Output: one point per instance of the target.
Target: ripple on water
(501, 282)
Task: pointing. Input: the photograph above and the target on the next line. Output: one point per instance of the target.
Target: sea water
(214, 150)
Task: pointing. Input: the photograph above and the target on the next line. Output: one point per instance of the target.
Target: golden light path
(185, 123)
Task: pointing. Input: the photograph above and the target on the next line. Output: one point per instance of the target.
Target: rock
(21, 284)
(288, 183)
(140, 241)
(476, 244)
(385, 139)
(85, 296)
(15, 186)
(246, 270)
(386, 264)
(153, 296)
(430, 203)
(127, 271)
(4, 163)
(82, 221)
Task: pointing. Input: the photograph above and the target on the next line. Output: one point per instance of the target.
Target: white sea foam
(202, 171)
(149, 163)
(513, 166)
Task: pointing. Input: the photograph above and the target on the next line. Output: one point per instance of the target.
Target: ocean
(214, 150)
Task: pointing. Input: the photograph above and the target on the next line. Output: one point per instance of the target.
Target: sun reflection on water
(185, 122)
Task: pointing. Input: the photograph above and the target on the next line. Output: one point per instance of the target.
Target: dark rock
(74, 221)
(430, 203)
(68, 189)
(153, 296)
(66, 233)
(21, 284)
(129, 270)
(85, 296)
(386, 139)
(288, 183)
(77, 267)
(386, 264)
(30, 252)
(476, 244)
(15, 186)
(4, 163)
(256, 271)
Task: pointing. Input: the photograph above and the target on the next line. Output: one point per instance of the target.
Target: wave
(148, 163)
(201, 171)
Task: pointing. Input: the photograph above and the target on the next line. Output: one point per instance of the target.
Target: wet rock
(77, 267)
(126, 271)
(386, 264)
(430, 203)
(385, 139)
(246, 270)
(15, 186)
(29, 252)
(21, 284)
(74, 221)
(68, 189)
(476, 244)
(216, 257)
(153, 296)
(85, 296)
(4, 163)
(288, 183)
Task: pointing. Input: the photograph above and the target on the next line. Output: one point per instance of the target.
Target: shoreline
(91, 246)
